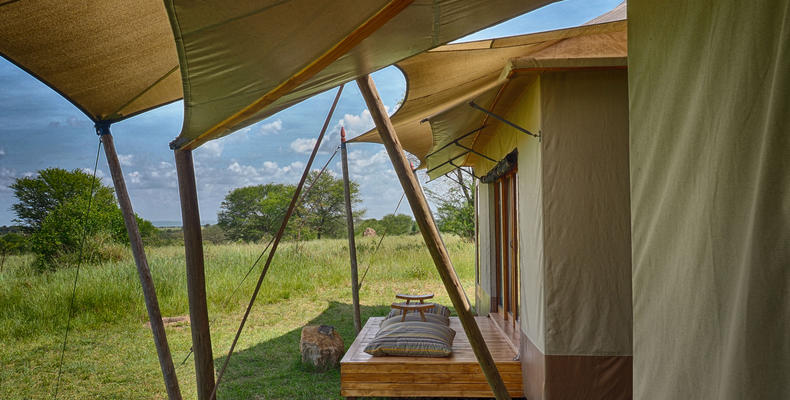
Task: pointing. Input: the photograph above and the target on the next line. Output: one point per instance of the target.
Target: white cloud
(211, 148)
(2, 151)
(134, 177)
(125, 159)
(99, 173)
(271, 128)
(303, 145)
(7, 177)
(357, 124)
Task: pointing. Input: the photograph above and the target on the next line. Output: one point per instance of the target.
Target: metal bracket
(455, 141)
(476, 107)
(102, 128)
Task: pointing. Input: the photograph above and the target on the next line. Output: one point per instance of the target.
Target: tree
(455, 206)
(400, 224)
(38, 196)
(324, 205)
(252, 212)
(52, 206)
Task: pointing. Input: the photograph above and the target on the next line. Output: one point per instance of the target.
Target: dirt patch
(172, 321)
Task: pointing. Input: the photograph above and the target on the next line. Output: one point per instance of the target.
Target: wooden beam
(138, 251)
(430, 233)
(196, 279)
(352, 247)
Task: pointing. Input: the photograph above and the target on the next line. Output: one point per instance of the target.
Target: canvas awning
(112, 59)
(436, 123)
(249, 59)
(233, 63)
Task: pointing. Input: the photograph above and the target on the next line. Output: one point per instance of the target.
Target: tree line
(51, 213)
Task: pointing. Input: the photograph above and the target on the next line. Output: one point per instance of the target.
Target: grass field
(110, 353)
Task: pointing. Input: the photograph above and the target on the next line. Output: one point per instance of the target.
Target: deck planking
(362, 375)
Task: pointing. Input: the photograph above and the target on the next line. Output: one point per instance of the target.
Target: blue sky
(40, 129)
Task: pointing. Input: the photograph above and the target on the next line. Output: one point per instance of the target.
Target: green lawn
(110, 353)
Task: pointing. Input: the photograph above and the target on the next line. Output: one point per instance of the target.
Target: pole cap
(342, 134)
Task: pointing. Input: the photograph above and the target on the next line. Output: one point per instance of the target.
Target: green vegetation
(110, 353)
(252, 213)
(389, 224)
(455, 211)
(52, 208)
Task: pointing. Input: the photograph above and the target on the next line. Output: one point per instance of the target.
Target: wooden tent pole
(430, 233)
(352, 247)
(196, 278)
(138, 251)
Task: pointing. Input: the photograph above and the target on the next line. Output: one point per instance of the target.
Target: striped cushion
(412, 338)
(437, 309)
(415, 316)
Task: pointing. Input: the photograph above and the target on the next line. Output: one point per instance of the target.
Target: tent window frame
(505, 276)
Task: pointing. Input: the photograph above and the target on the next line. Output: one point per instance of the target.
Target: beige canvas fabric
(709, 103)
(586, 218)
(112, 59)
(249, 59)
(450, 76)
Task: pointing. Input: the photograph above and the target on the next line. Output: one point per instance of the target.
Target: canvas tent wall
(708, 89)
(569, 87)
(573, 233)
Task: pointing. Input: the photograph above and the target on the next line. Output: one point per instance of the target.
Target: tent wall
(574, 233)
(711, 209)
(586, 214)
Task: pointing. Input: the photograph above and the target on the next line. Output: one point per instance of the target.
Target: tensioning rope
(77, 274)
(276, 242)
(376, 250)
(252, 267)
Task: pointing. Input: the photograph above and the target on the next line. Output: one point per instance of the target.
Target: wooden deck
(459, 375)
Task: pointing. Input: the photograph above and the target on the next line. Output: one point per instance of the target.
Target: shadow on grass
(273, 369)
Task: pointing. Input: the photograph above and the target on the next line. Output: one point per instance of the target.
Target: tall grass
(307, 280)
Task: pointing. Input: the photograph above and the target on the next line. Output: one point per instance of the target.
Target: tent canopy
(436, 123)
(244, 62)
(112, 59)
(233, 63)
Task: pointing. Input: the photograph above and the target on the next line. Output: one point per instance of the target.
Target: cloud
(70, 122)
(99, 172)
(160, 175)
(125, 159)
(211, 148)
(303, 145)
(134, 177)
(7, 177)
(271, 128)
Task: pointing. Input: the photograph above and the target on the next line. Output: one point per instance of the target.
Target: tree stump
(321, 346)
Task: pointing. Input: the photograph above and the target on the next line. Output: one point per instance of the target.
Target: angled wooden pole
(430, 233)
(138, 251)
(352, 247)
(196, 278)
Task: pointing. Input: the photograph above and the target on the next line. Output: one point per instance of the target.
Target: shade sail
(112, 59)
(442, 81)
(249, 59)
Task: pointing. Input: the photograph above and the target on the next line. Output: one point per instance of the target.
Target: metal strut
(468, 172)
(475, 106)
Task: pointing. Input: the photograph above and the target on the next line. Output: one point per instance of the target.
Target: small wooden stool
(406, 307)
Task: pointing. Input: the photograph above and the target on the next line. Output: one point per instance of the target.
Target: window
(506, 248)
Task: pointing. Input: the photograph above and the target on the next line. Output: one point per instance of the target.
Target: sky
(40, 129)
